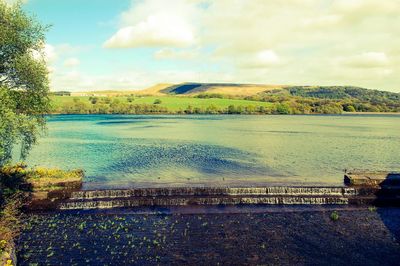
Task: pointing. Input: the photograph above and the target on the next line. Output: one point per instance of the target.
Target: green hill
(343, 92)
(192, 88)
(215, 98)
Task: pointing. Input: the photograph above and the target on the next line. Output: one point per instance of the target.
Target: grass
(173, 103)
(52, 179)
(16, 177)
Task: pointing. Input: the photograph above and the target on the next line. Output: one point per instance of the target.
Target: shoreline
(256, 114)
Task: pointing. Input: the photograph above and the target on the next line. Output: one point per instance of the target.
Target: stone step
(219, 191)
(372, 178)
(74, 204)
(389, 196)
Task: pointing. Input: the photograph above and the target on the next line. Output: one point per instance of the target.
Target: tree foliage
(24, 82)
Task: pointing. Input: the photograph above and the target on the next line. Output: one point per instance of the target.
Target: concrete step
(274, 195)
(135, 201)
(218, 191)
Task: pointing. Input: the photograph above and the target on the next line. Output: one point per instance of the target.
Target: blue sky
(124, 44)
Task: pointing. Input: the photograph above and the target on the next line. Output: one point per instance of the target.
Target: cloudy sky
(132, 44)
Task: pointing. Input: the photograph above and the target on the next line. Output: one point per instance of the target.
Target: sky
(133, 44)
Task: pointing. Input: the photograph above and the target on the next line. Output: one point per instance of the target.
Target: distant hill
(191, 89)
(155, 90)
(216, 98)
(246, 90)
(251, 91)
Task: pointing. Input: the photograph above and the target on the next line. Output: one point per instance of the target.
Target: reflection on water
(124, 151)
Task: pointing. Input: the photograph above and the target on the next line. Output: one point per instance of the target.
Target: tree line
(108, 105)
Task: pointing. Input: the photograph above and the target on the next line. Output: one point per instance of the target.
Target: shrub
(350, 108)
(93, 100)
(283, 109)
(157, 101)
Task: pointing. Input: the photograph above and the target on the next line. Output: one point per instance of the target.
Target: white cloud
(168, 53)
(155, 23)
(262, 59)
(268, 57)
(50, 53)
(366, 60)
(155, 31)
(362, 7)
(323, 21)
(262, 41)
(47, 53)
(130, 80)
(72, 62)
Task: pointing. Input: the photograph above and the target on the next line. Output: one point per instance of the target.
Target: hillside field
(172, 103)
(212, 98)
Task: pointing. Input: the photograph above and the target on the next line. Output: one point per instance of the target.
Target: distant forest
(333, 99)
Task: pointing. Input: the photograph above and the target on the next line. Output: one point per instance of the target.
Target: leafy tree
(231, 109)
(283, 109)
(212, 109)
(189, 109)
(93, 100)
(350, 108)
(24, 85)
(107, 100)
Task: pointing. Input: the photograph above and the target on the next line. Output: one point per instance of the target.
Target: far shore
(371, 113)
(225, 114)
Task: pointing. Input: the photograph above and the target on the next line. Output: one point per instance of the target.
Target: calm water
(126, 151)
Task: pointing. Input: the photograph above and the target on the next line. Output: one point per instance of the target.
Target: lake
(124, 151)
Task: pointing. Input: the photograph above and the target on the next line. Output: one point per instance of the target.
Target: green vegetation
(16, 183)
(23, 102)
(157, 101)
(288, 100)
(331, 100)
(334, 216)
(343, 92)
(43, 179)
(23, 80)
(156, 105)
(352, 98)
(19, 178)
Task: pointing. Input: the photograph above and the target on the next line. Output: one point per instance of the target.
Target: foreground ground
(212, 236)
